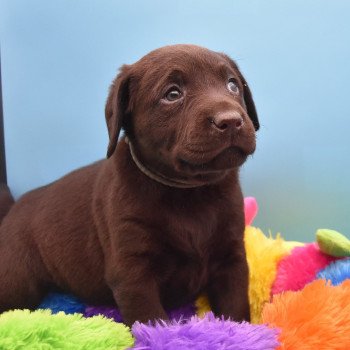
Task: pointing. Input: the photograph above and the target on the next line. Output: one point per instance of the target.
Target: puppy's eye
(173, 94)
(232, 86)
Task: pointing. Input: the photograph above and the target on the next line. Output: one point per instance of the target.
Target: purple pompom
(107, 311)
(206, 333)
(183, 313)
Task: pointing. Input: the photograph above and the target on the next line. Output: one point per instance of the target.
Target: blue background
(59, 57)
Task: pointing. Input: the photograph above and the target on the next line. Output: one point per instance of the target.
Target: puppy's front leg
(136, 292)
(228, 286)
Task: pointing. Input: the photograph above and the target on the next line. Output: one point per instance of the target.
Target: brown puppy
(161, 220)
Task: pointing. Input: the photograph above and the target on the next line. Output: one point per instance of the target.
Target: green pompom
(333, 243)
(23, 329)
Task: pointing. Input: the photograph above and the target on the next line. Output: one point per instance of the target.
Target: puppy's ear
(248, 98)
(249, 102)
(117, 107)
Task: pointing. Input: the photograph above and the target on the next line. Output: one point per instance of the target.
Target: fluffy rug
(299, 298)
(204, 333)
(21, 329)
(336, 272)
(317, 317)
(300, 268)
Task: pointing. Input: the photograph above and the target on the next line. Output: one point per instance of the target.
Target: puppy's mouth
(229, 158)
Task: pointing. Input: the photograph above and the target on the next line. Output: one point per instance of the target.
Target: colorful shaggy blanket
(299, 297)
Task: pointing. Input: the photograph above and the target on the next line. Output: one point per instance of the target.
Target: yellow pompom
(202, 305)
(263, 255)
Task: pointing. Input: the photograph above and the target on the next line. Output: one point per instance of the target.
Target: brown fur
(108, 233)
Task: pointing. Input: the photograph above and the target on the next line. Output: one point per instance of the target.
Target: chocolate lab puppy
(161, 219)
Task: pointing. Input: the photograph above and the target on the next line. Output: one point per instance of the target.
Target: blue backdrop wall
(59, 57)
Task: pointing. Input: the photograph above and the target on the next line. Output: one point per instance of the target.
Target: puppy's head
(187, 111)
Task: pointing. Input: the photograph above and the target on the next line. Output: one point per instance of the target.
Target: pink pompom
(299, 268)
(250, 209)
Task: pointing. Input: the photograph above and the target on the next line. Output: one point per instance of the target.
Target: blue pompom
(62, 302)
(336, 272)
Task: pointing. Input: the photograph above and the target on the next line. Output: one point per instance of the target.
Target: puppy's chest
(192, 232)
(189, 241)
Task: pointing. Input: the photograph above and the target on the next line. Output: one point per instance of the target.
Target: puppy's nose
(227, 121)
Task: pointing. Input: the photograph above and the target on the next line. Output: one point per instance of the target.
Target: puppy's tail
(6, 200)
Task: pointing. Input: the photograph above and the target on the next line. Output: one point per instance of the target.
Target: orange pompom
(317, 317)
